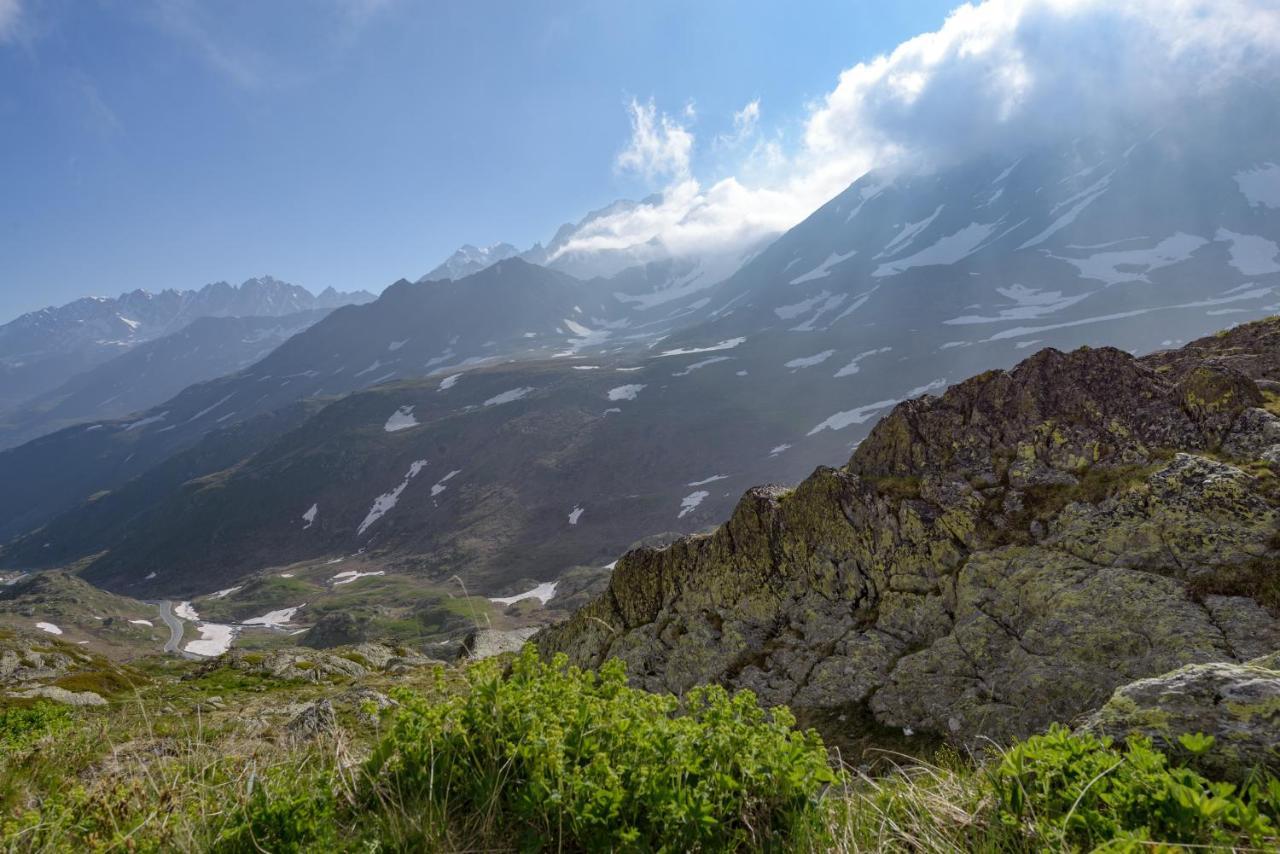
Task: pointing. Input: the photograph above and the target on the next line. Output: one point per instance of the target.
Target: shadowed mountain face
(519, 421)
(44, 349)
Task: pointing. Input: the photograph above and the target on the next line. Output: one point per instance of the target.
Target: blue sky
(350, 142)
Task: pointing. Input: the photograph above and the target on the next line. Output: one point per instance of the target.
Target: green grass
(521, 754)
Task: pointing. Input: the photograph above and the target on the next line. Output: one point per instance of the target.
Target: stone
(62, 695)
(1236, 703)
(487, 643)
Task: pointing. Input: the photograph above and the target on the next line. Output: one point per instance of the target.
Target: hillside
(1087, 539)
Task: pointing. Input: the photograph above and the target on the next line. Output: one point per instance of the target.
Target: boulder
(1237, 704)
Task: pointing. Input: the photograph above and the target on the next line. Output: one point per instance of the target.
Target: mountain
(468, 260)
(153, 371)
(43, 349)
(644, 275)
(898, 287)
(510, 309)
(990, 560)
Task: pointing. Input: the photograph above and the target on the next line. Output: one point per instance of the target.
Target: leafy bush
(1079, 791)
(20, 726)
(285, 813)
(550, 752)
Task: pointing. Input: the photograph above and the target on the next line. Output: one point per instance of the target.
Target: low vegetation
(523, 754)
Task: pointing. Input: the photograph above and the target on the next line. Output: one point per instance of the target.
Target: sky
(161, 143)
(349, 143)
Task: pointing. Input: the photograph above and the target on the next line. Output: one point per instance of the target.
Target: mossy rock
(1237, 704)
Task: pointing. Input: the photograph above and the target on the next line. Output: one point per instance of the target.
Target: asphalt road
(174, 624)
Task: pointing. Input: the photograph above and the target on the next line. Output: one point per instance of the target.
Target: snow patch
(276, 619)
(1022, 331)
(1250, 254)
(824, 269)
(223, 594)
(688, 369)
(853, 367)
(1079, 202)
(849, 417)
(146, 623)
(690, 502)
(49, 627)
(1261, 186)
(778, 449)
(184, 611)
(401, 419)
(950, 249)
(351, 575)
(1112, 268)
(707, 480)
(575, 514)
(809, 361)
(214, 640)
(448, 382)
(544, 593)
(439, 486)
(689, 351)
(310, 516)
(508, 396)
(385, 502)
(908, 233)
(143, 422)
(625, 392)
(1028, 304)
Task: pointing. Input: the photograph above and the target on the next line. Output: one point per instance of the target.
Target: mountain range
(520, 421)
(42, 350)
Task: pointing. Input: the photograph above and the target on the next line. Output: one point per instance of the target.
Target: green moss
(103, 683)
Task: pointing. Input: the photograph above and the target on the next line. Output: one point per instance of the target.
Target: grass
(529, 756)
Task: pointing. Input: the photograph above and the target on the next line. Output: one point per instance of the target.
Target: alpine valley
(977, 463)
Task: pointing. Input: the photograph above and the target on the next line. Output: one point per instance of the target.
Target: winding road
(174, 624)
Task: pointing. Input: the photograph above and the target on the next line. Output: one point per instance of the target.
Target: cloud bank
(997, 75)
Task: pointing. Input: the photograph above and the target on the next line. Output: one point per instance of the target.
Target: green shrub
(1079, 791)
(550, 752)
(21, 726)
(285, 813)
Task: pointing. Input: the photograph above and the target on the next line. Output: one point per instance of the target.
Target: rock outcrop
(1237, 704)
(991, 560)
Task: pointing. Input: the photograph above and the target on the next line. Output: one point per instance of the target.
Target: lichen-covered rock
(62, 695)
(1254, 433)
(1188, 517)
(1237, 704)
(486, 643)
(990, 560)
(313, 720)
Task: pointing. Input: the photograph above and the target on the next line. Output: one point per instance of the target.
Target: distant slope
(42, 350)
(153, 372)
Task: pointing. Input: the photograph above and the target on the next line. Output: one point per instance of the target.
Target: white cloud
(10, 15)
(996, 74)
(660, 146)
(745, 120)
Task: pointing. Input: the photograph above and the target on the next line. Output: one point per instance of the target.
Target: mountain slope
(41, 350)
(154, 371)
(990, 560)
